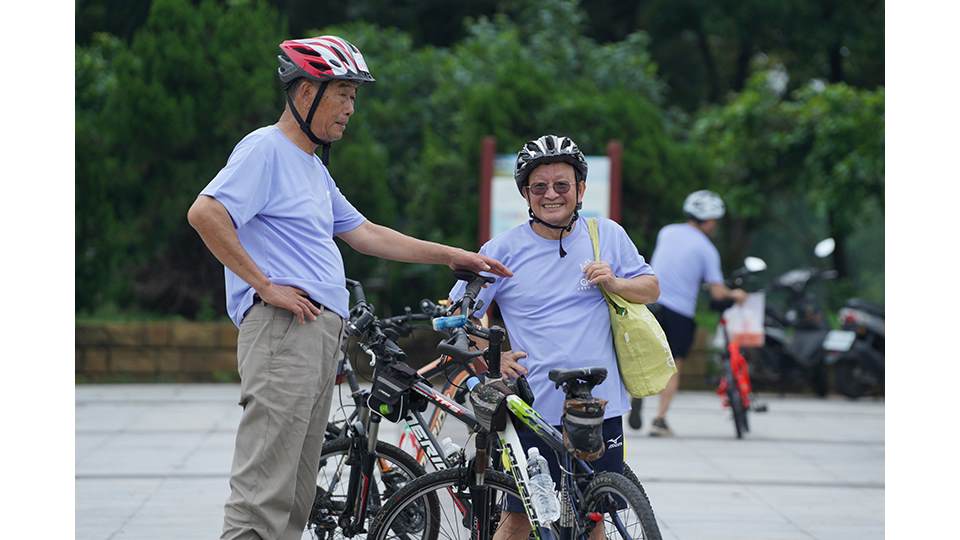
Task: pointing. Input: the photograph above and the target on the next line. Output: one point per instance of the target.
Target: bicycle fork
(360, 486)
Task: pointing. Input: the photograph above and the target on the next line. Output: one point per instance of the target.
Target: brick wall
(206, 352)
(156, 351)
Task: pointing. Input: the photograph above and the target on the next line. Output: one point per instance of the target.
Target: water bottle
(542, 495)
(449, 447)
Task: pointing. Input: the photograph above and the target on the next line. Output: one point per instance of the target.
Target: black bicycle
(357, 472)
(473, 496)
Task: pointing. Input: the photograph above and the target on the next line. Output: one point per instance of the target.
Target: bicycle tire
(597, 498)
(736, 407)
(650, 521)
(433, 483)
(329, 507)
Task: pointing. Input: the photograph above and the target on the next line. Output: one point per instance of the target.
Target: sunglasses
(540, 188)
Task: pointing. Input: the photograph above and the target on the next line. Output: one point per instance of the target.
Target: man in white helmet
(683, 258)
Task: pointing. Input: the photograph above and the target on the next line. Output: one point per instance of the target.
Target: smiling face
(543, 192)
(334, 110)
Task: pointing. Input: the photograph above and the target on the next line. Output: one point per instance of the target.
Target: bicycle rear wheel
(736, 406)
(393, 470)
(623, 508)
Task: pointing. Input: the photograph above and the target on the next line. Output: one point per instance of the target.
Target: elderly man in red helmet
(270, 216)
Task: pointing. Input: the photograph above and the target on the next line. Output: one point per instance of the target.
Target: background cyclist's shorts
(678, 328)
(612, 459)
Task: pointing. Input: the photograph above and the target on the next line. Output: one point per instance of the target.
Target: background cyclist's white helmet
(703, 205)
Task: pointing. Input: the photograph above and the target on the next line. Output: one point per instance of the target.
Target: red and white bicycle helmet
(321, 59)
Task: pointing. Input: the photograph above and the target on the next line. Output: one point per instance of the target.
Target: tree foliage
(159, 110)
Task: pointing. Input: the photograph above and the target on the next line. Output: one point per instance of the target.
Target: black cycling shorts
(678, 328)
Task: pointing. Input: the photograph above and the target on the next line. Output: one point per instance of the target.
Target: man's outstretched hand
(465, 260)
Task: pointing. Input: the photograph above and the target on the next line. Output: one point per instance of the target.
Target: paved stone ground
(152, 462)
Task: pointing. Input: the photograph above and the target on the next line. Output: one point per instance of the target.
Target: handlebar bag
(643, 354)
(489, 401)
(390, 395)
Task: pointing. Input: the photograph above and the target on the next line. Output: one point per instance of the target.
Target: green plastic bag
(643, 355)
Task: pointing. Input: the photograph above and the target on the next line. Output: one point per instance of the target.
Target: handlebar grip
(428, 307)
(443, 323)
(458, 347)
(357, 289)
(493, 352)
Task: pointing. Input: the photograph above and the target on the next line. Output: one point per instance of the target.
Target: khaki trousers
(287, 372)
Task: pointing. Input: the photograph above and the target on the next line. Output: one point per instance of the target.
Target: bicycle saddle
(589, 376)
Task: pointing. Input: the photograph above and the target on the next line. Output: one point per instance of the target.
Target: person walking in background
(270, 216)
(684, 258)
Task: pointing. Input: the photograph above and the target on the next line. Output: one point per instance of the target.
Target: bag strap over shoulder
(594, 229)
(594, 237)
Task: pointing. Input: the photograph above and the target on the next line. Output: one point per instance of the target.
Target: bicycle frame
(366, 427)
(736, 370)
(515, 461)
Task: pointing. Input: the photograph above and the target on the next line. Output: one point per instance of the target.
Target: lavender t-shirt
(286, 209)
(553, 314)
(684, 258)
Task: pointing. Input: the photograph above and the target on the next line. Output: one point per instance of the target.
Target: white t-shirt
(683, 259)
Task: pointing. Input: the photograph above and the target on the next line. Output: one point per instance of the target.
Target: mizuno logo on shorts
(615, 442)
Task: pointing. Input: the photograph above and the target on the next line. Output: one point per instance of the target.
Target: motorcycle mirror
(824, 247)
(754, 264)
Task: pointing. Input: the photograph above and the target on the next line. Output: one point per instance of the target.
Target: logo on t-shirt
(584, 284)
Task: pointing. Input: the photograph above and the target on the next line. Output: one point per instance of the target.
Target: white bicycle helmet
(704, 205)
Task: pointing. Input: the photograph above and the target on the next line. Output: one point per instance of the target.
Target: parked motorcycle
(859, 370)
(793, 354)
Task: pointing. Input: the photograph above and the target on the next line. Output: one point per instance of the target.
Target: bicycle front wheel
(622, 508)
(393, 470)
(451, 488)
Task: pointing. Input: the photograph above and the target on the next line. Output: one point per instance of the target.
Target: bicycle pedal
(324, 524)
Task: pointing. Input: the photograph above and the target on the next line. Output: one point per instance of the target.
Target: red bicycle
(734, 389)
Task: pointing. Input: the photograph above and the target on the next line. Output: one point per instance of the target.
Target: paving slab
(153, 462)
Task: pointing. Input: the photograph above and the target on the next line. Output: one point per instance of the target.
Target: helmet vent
(307, 51)
(320, 65)
(339, 54)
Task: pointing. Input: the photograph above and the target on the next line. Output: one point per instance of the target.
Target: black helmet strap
(562, 228)
(305, 124)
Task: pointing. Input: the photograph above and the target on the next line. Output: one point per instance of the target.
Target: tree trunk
(737, 239)
(838, 231)
(713, 78)
(743, 63)
(834, 56)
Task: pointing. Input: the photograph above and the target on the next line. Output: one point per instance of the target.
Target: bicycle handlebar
(357, 289)
(475, 282)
